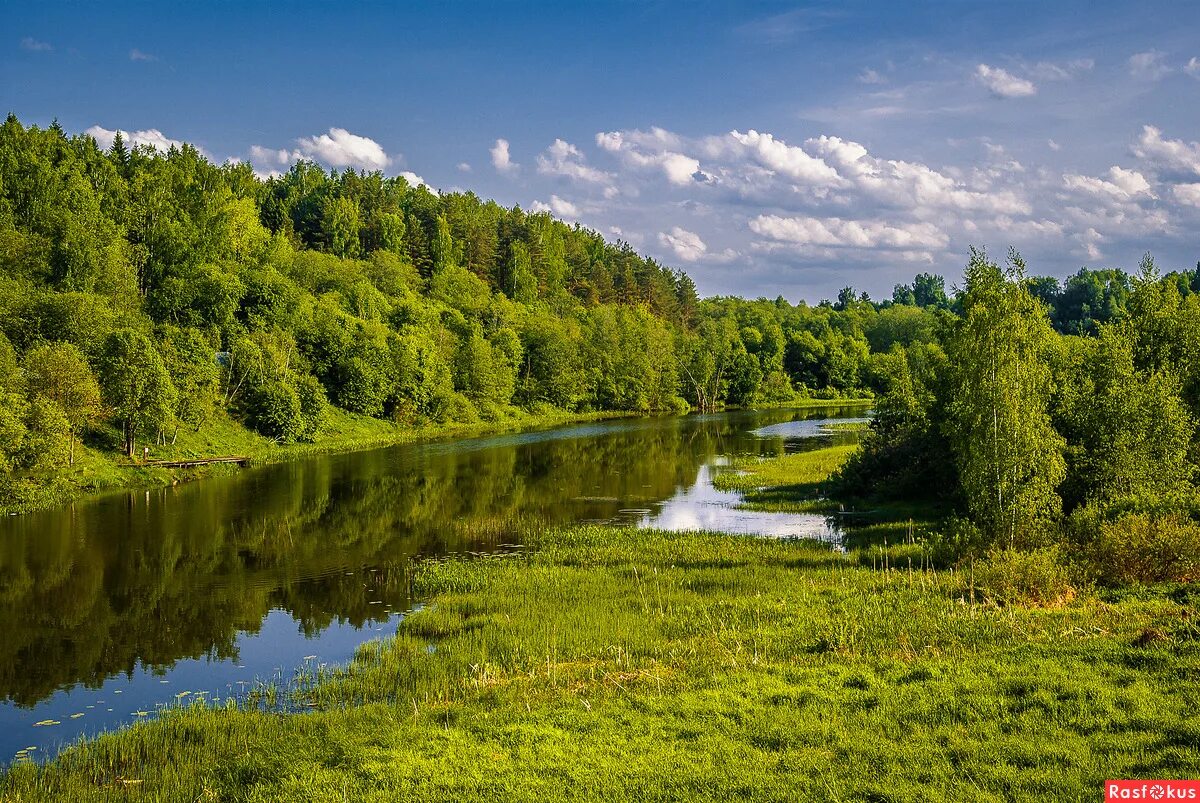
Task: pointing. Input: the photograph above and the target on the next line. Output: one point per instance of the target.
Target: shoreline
(100, 474)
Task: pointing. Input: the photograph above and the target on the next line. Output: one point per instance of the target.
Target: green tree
(136, 385)
(59, 375)
(1009, 456)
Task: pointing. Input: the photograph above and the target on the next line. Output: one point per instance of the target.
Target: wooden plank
(197, 462)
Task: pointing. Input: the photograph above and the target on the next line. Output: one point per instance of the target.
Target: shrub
(1144, 548)
(312, 407)
(275, 411)
(1016, 577)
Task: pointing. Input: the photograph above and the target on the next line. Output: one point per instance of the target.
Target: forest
(145, 296)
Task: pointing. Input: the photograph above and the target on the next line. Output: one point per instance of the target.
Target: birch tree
(1009, 457)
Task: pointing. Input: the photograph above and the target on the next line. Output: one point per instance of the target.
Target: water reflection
(703, 507)
(210, 584)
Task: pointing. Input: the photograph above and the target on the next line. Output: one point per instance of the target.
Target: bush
(1144, 548)
(312, 407)
(275, 411)
(1016, 577)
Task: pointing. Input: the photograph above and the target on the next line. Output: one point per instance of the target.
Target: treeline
(146, 295)
(1053, 448)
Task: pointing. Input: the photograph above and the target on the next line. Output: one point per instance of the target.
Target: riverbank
(643, 665)
(98, 471)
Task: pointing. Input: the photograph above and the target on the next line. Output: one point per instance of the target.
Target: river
(116, 606)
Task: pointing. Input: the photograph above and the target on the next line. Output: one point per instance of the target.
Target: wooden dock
(204, 461)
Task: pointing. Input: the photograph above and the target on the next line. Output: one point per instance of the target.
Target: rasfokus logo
(1152, 790)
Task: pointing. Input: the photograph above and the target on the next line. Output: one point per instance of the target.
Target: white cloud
(869, 76)
(415, 180)
(1173, 154)
(1054, 146)
(501, 159)
(1090, 241)
(1187, 194)
(141, 55)
(1192, 68)
(464, 167)
(559, 206)
(340, 148)
(38, 46)
(565, 160)
(912, 185)
(678, 168)
(777, 156)
(151, 136)
(685, 244)
(1121, 184)
(1002, 83)
(838, 232)
(1149, 65)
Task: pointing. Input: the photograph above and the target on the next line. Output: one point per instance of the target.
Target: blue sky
(765, 148)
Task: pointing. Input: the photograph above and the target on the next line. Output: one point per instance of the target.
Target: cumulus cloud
(869, 76)
(678, 168)
(912, 185)
(464, 167)
(1149, 65)
(1002, 83)
(151, 136)
(340, 148)
(501, 159)
(416, 181)
(38, 46)
(566, 161)
(685, 244)
(141, 55)
(1192, 68)
(1187, 194)
(838, 232)
(1174, 155)
(1121, 184)
(558, 206)
(777, 156)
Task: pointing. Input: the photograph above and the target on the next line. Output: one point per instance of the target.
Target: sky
(764, 148)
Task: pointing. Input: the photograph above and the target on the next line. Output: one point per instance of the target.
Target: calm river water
(114, 607)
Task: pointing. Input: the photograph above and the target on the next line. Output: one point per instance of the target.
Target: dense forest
(147, 294)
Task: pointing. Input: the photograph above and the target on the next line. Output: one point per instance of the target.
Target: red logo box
(1152, 790)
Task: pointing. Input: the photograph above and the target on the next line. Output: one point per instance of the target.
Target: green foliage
(1031, 577)
(1142, 548)
(1009, 456)
(58, 375)
(136, 385)
(274, 410)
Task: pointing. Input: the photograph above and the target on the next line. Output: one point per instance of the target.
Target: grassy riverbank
(642, 665)
(100, 470)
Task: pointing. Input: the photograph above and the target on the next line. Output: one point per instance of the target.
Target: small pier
(204, 461)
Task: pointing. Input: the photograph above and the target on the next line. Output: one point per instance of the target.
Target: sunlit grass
(635, 665)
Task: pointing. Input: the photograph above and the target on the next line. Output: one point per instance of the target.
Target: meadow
(641, 665)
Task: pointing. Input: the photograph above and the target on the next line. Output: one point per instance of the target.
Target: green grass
(640, 665)
(792, 483)
(797, 483)
(809, 403)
